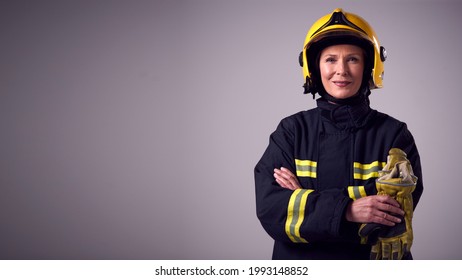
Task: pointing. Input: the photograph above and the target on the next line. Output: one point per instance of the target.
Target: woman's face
(341, 68)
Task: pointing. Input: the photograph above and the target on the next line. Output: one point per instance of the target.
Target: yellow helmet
(341, 27)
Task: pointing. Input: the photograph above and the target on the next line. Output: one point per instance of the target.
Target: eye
(330, 59)
(353, 59)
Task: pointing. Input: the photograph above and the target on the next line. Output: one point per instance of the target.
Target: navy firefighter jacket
(336, 152)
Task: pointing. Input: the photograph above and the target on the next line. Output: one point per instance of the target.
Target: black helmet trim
(336, 19)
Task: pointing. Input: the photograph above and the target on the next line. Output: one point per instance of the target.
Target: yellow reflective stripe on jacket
(367, 171)
(355, 192)
(296, 214)
(306, 168)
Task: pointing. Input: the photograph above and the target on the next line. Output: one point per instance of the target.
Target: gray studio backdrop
(130, 129)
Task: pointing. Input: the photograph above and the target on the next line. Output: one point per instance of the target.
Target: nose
(342, 68)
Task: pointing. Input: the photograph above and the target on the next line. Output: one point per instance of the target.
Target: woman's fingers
(379, 209)
(388, 204)
(386, 219)
(386, 199)
(286, 179)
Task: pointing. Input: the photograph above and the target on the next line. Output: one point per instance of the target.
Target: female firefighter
(329, 185)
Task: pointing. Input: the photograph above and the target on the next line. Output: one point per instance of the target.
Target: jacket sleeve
(299, 216)
(405, 141)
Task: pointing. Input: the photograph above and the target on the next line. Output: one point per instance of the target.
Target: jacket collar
(347, 116)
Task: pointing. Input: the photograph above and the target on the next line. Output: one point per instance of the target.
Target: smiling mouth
(342, 83)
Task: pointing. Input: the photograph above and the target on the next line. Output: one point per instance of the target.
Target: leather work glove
(398, 181)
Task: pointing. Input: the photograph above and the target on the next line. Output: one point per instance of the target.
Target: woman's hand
(286, 179)
(380, 209)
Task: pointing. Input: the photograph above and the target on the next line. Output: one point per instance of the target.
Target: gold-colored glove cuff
(397, 177)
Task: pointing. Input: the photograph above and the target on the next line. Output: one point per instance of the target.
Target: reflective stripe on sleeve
(306, 168)
(367, 171)
(296, 214)
(355, 192)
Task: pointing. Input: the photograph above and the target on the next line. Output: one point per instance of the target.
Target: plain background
(130, 129)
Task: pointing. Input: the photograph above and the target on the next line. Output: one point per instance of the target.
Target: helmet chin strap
(363, 93)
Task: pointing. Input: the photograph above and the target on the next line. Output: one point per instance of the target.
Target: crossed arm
(381, 209)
